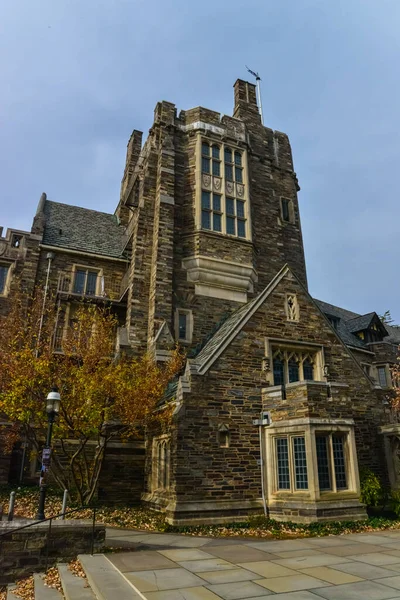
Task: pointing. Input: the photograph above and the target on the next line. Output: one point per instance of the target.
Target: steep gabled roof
(351, 322)
(233, 325)
(364, 322)
(82, 229)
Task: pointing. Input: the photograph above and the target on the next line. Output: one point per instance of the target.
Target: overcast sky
(78, 75)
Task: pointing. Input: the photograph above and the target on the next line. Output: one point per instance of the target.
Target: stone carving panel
(229, 186)
(240, 190)
(217, 184)
(206, 181)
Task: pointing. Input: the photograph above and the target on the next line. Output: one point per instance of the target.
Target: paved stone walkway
(363, 566)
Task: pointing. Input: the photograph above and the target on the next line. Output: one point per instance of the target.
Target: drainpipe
(264, 420)
(49, 256)
(262, 469)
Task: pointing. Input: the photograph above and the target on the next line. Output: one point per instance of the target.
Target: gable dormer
(368, 328)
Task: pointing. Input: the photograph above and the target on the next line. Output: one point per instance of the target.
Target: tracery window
(161, 463)
(292, 365)
(223, 191)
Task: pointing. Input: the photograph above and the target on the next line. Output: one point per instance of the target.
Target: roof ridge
(373, 312)
(99, 212)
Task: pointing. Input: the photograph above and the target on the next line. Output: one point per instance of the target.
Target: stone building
(283, 397)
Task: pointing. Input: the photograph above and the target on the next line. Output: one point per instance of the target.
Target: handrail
(68, 512)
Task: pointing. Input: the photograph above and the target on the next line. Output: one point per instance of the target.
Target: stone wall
(33, 548)
(208, 480)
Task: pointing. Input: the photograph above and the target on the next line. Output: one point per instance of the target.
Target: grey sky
(78, 75)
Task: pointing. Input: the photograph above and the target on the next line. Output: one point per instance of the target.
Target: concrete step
(10, 593)
(42, 592)
(106, 581)
(74, 588)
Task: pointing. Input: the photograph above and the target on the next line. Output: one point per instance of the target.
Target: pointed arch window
(161, 463)
(290, 366)
(279, 369)
(293, 369)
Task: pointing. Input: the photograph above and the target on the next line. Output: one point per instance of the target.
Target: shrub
(372, 491)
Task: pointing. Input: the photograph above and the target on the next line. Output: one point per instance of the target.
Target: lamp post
(52, 409)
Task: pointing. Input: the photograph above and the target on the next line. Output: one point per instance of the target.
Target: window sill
(220, 234)
(337, 495)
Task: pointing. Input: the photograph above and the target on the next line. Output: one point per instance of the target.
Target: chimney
(246, 107)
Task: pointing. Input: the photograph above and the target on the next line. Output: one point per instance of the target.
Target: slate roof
(77, 228)
(350, 322)
(360, 323)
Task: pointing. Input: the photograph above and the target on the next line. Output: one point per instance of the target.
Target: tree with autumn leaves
(104, 397)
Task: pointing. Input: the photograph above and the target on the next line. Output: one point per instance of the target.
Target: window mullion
(291, 464)
(301, 370)
(332, 464)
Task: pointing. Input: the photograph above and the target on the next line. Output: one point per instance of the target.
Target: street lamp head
(53, 401)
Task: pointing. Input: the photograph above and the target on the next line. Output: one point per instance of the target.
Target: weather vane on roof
(258, 79)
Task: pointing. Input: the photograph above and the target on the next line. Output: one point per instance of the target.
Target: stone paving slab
(295, 553)
(193, 593)
(354, 566)
(230, 576)
(186, 554)
(163, 579)
(364, 571)
(213, 564)
(239, 591)
(140, 561)
(303, 595)
(292, 583)
(281, 545)
(354, 548)
(363, 590)
(376, 558)
(242, 553)
(331, 575)
(391, 581)
(302, 562)
(267, 569)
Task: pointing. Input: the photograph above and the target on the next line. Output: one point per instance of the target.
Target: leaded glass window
(85, 282)
(205, 158)
(331, 458)
(308, 369)
(182, 325)
(282, 456)
(222, 169)
(279, 376)
(300, 463)
(211, 212)
(294, 365)
(293, 369)
(216, 163)
(228, 172)
(339, 461)
(382, 376)
(324, 477)
(285, 209)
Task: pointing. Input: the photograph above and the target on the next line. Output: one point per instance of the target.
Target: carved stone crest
(206, 181)
(217, 184)
(229, 187)
(240, 189)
